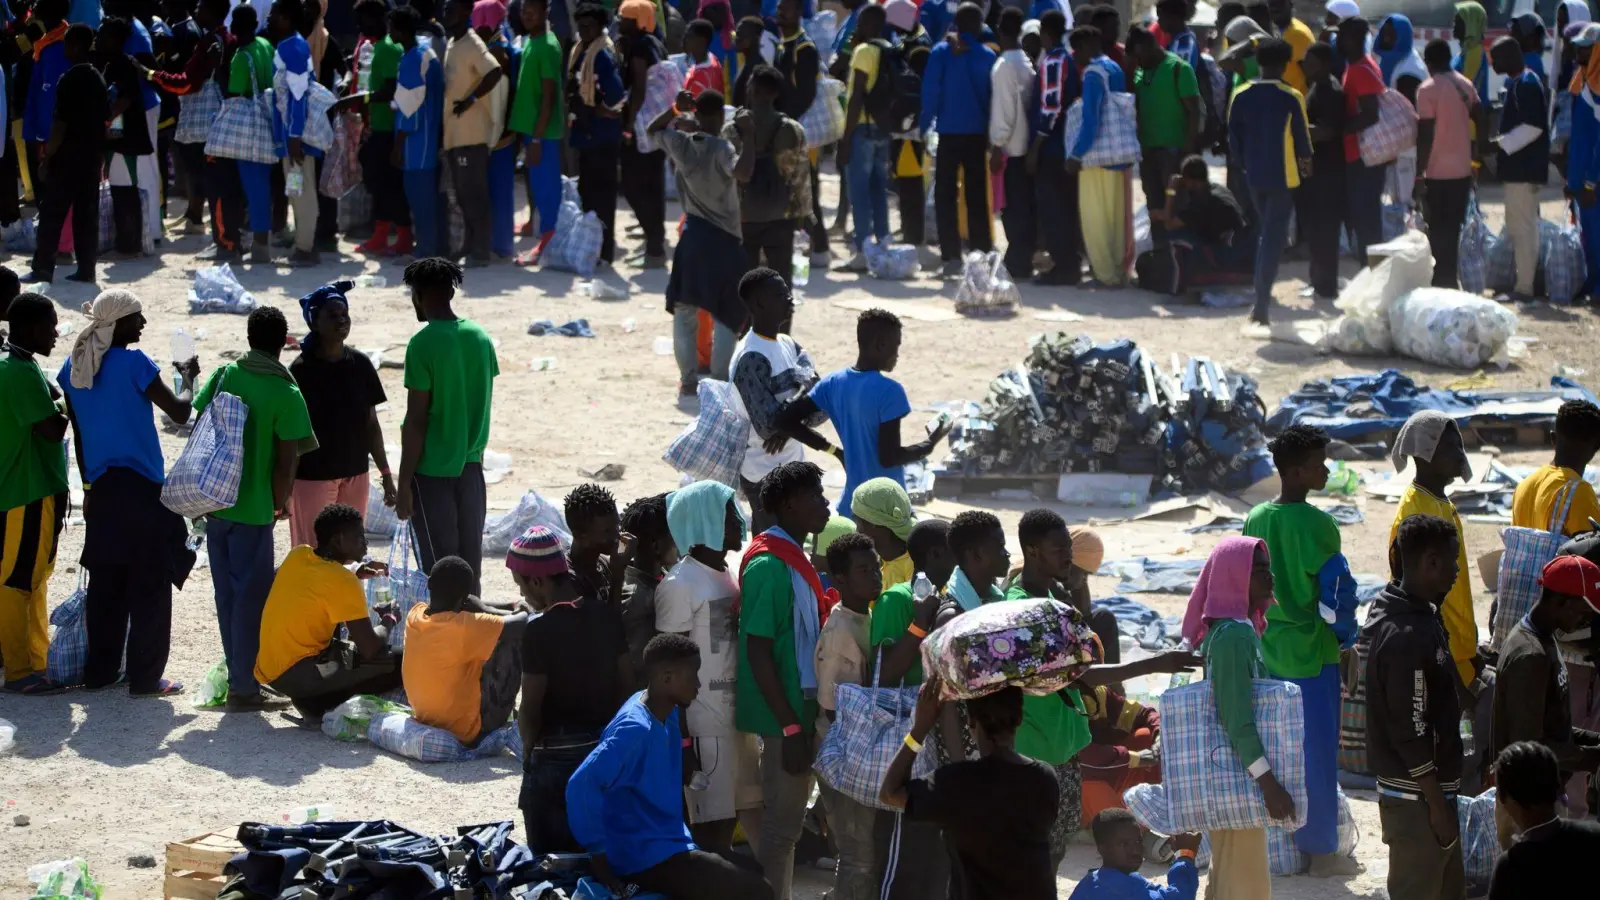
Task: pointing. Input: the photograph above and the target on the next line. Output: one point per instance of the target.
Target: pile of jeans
(1077, 406)
(381, 858)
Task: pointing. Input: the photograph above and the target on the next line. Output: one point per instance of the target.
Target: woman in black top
(342, 393)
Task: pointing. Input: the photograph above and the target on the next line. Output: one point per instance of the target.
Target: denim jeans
(241, 575)
(1363, 191)
(685, 329)
(1273, 205)
(546, 769)
(544, 184)
(868, 177)
(422, 197)
(785, 797)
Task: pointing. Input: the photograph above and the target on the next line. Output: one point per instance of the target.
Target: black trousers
(164, 166)
(1059, 225)
(1019, 218)
(70, 184)
(127, 219)
(447, 514)
(771, 244)
(817, 228)
(644, 186)
(192, 161)
(698, 875)
(383, 181)
(469, 174)
(1363, 192)
(597, 190)
(10, 173)
(1157, 165)
(1444, 206)
(318, 683)
(923, 870)
(969, 155)
(327, 208)
(226, 192)
(1321, 201)
(913, 202)
(546, 769)
(127, 607)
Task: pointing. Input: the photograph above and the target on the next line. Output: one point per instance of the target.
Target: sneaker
(856, 263)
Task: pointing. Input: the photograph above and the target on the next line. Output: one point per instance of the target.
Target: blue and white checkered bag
(1527, 552)
(661, 86)
(1561, 258)
(397, 732)
(108, 223)
(1284, 858)
(1207, 785)
(381, 521)
(823, 121)
(1474, 249)
(1480, 841)
(577, 242)
(318, 132)
(206, 476)
(195, 112)
(69, 648)
(712, 447)
(1116, 142)
(1501, 275)
(1148, 804)
(868, 730)
(244, 128)
(408, 584)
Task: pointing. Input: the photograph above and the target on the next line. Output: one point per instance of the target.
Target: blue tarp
(1351, 407)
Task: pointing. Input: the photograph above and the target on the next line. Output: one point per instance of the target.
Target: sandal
(35, 685)
(164, 688)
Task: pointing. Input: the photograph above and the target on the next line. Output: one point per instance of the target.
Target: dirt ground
(106, 778)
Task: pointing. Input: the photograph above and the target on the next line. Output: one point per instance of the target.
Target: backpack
(894, 101)
(767, 187)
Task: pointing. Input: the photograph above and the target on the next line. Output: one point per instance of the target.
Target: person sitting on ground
(1539, 495)
(1124, 748)
(645, 519)
(1543, 862)
(463, 659)
(1204, 217)
(1120, 842)
(626, 799)
(881, 510)
(1001, 850)
(313, 593)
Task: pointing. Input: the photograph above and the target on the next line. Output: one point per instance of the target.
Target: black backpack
(894, 102)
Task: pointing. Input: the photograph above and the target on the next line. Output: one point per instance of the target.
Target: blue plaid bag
(1474, 248)
(206, 476)
(408, 584)
(381, 522)
(1116, 143)
(1480, 841)
(661, 86)
(244, 128)
(1502, 272)
(1561, 256)
(576, 245)
(1284, 858)
(1527, 552)
(868, 729)
(1148, 804)
(1207, 785)
(398, 732)
(69, 648)
(712, 447)
(195, 112)
(823, 121)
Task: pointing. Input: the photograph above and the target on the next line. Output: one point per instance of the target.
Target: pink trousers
(308, 498)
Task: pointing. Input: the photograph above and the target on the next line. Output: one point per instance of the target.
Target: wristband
(913, 743)
(1186, 854)
(687, 743)
(916, 631)
(385, 472)
(791, 730)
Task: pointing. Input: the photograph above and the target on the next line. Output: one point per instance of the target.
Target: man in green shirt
(538, 113)
(239, 539)
(1169, 111)
(378, 173)
(775, 692)
(450, 370)
(1299, 645)
(901, 619)
(33, 493)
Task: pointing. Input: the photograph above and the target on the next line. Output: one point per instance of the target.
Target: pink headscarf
(1223, 590)
(902, 14)
(488, 14)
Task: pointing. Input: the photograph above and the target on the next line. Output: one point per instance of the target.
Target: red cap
(1574, 575)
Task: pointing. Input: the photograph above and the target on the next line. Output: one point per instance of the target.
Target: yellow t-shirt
(1534, 502)
(1459, 622)
(898, 570)
(864, 58)
(443, 665)
(310, 596)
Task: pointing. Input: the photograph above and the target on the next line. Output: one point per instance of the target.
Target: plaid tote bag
(712, 447)
(69, 648)
(823, 121)
(195, 112)
(1527, 552)
(1116, 142)
(244, 128)
(1394, 133)
(868, 730)
(1207, 785)
(1474, 249)
(661, 87)
(206, 476)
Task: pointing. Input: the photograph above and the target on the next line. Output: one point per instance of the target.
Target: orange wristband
(915, 631)
(1186, 854)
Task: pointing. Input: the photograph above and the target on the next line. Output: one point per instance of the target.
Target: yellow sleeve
(346, 599)
(1584, 507)
(865, 59)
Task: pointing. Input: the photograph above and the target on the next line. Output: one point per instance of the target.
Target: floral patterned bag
(1037, 645)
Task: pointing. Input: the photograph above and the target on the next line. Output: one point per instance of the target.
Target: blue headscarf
(313, 302)
(1389, 59)
(697, 515)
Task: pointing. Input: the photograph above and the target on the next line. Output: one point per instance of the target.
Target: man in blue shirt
(955, 103)
(292, 79)
(419, 115)
(1523, 164)
(625, 802)
(866, 407)
(1056, 188)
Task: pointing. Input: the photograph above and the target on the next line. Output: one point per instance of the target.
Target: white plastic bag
(1142, 239)
(532, 509)
(216, 290)
(1364, 328)
(986, 287)
(891, 261)
(1451, 328)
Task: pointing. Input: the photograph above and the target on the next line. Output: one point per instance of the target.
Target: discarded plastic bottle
(922, 587)
(370, 281)
(300, 815)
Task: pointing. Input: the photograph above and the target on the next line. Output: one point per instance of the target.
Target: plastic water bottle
(183, 348)
(300, 815)
(294, 183)
(370, 281)
(1468, 747)
(382, 590)
(922, 587)
(802, 268)
(364, 67)
(1179, 679)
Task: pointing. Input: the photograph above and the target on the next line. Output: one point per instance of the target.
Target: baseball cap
(1573, 575)
(1582, 34)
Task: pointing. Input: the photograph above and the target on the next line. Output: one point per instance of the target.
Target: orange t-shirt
(442, 665)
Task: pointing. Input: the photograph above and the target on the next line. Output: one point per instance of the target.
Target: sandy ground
(105, 777)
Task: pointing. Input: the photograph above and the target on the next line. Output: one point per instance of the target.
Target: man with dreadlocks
(600, 550)
(450, 371)
(645, 519)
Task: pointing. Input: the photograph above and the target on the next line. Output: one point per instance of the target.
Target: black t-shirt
(646, 47)
(340, 397)
(122, 78)
(1213, 215)
(1531, 676)
(1553, 862)
(83, 107)
(576, 646)
(1325, 106)
(996, 815)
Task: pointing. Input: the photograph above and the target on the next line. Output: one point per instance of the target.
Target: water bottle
(922, 587)
(300, 815)
(382, 590)
(183, 348)
(370, 281)
(802, 268)
(1468, 748)
(364, 67)
(1179, 679)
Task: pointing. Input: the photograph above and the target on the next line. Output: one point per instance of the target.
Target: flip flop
(165, 688)
(34, 685)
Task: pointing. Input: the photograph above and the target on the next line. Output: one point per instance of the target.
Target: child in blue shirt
(1121, 844)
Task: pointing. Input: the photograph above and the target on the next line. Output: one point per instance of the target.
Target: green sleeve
(766, 598)
(239, 71)
(29, 396)
(208, 390)
(1188, 85)
(418, 376)
(292, 422)
(1017, 592)
(890, 616)
(1229, 652)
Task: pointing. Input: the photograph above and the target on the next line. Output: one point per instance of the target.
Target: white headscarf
(95, 339)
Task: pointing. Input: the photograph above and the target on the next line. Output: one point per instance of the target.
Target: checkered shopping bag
(712, 447)
(1480, 840)
(1207, 785)
(1561, 257)
(195, 112)
(381, 521)
(1284, 858)
(661, 86)
(823, 121)
(1353, 715)
(398, 732)
(1527, 552)
(341, 166)
(1393, 133)
(206, 476)
(1474, 249)
(108, 225)
(1116, 142)
(868, 731)
(355, 207)
(408, 584)
(244, 128)
(69, 647)
(1148, 804)
(319, 128)
(577, 243)
(1500, 274)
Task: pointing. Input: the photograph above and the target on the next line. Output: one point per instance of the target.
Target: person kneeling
(625, 802)
(312, 594)
(463, 661)
(1120, 841)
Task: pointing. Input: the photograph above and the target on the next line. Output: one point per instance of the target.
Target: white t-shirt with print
(697, 600)
(791, 373)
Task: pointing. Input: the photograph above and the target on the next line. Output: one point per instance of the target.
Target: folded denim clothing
(574, 328)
